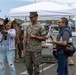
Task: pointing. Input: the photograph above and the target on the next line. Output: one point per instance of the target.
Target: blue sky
(5, 5)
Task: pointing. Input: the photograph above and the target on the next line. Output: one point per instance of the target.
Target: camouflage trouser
(16, 52)
(33, 60)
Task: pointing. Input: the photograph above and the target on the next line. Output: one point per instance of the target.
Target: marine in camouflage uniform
(15, 25)
(33, 54)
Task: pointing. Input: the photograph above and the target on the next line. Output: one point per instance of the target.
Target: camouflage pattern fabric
(34, 45)
(16, 51)
(35, 59)
(16, 43)
(18, 48)
(33, 55)
(18, 33)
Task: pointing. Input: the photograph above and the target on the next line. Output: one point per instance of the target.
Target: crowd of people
(13, 41)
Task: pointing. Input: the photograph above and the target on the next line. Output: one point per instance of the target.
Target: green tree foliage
(72, 20)
(48, 21)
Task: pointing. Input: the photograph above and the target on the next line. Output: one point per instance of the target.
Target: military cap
(32, 14)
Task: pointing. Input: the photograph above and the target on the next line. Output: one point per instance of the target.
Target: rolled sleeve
(43, 31)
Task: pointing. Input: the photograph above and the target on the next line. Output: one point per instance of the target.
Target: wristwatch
(35, 37)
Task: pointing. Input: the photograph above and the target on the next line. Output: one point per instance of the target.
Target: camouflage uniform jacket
(34, 45)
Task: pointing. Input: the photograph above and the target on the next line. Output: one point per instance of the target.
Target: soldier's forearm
(24, 42)
(41, 37)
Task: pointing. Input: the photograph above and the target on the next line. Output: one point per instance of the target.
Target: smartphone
(51, 37)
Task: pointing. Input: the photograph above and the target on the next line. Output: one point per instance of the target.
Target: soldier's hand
(24, 51)
(18, 42)
(32, 36)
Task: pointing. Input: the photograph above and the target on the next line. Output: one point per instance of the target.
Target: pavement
(72, 69)
(45, 68)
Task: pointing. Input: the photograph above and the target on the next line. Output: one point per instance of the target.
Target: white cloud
(60, 1)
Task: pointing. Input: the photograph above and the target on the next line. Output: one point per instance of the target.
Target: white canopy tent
(42, 17)
(43, 9)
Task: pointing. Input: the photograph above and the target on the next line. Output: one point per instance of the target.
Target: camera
(2, 28)
(5, 36)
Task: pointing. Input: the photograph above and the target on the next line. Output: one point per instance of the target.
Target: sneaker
(70, 61)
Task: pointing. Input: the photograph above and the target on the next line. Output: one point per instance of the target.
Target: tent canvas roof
(43, 8)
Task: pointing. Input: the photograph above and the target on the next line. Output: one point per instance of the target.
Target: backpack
(69, 49)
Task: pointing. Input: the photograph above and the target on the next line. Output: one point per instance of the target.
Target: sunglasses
(30, 17)
(59, 22)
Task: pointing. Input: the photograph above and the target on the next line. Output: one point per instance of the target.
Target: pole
(75, 18)
(35, 1)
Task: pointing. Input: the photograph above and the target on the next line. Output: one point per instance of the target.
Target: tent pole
(35, 1)
(25, 19)
(75, 18)
(75, 22)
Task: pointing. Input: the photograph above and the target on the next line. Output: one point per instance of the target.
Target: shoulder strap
(66, 29)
